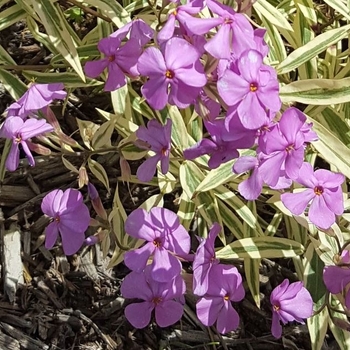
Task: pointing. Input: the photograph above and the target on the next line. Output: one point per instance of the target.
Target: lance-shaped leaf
(317, 91)
(261, 247)
(56, 28)
(312, 49)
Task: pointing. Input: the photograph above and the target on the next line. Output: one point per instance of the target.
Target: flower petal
(136, 259)
(71, 240)
(135, 286)
(296, 203)
(165, 266)
(12, 160)
(146, 170)
(228, 319)
(320, 214)
(208, 309)
(336, 278)
(139, 315)
(51, 235)
(276, 328)
(155, 91)
(168, 313)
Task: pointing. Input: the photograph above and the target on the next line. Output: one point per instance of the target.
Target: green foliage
(313, 69)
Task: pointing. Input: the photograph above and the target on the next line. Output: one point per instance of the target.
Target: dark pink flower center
(57, 219)
(276, 308)
(318, 190)
(228, 21)
(111, 58)
(18, 138)
(164, 151)
(253, 87)
(226, 297)
(157, 243)
(290, 148)
(156, 300)
(169, 74)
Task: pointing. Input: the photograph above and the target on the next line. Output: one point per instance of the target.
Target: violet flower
(323, 191)
(220, 151)
(173, 78)
(163, 298)
(225, 285)
(137, 29)
(290, 302)
(70, 217)
(20, 132)
(233, 33)
(181, 13)
(164, 235)
(158, 139)
(119, 60)
(253, 91)
(284, 147)
(37, 97)
(337, 279)
(204, 260)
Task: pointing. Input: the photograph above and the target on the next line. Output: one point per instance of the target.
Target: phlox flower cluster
(22, 122)
(156, 278)
(244, 113)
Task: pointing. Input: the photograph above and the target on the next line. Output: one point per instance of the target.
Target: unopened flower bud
(83, 177)
(96, 201)
(92, 240)
(125, 169)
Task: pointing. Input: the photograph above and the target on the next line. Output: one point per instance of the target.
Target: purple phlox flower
(323, 191)
(253, 91)
(204, 260)
(70, 217)
(207, 108)
(137, 29)
(337, 279)
(36, 98)
(158, 139)
(119, 61)
(262, 134)
(251, 187)
(20, 132)
(290, 302)
(163, 298)
(180, 14)
(225, 285)
(96, 201)
(309, 134)
(164, 235)
(284, 147)
(173, 78)
(220, 151)
(234, 29)
(235, 130)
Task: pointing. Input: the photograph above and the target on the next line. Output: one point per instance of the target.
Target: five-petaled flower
(290, 302)
(37, 97)
(70, 218)
(119, 60)
(157, 138)
(323, 191)
(20, 132)
(173, 78)
(164, 298)
(165, 237)
(224, 285)
(204, 260)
